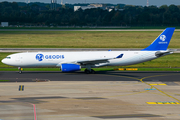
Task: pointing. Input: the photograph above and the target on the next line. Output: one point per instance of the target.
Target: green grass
(82, 39)
(4, 80)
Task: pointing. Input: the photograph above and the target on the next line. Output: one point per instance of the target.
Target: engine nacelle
(70, 67)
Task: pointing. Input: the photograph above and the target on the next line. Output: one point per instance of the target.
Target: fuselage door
(18, 58)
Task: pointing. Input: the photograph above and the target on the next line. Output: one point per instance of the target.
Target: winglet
(120, 56)
(162, 41)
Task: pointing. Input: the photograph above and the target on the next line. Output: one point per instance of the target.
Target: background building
(53, 4)
(4, 24)
(102, 6)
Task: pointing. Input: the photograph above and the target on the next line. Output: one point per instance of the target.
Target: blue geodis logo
(39, 57)
(163, 39)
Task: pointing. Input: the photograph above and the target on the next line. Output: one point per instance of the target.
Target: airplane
(74, 61)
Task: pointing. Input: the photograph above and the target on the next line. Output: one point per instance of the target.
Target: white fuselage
(55, 59)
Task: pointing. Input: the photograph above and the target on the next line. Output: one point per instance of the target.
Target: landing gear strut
(20, 70)
(89, 71)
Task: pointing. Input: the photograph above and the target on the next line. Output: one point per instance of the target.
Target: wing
(91, 61)
(96, 61)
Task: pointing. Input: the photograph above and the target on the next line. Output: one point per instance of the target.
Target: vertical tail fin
(161, 42)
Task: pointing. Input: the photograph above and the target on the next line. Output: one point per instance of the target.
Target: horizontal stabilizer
(162, 53)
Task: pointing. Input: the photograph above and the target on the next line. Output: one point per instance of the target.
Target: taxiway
(77, 96)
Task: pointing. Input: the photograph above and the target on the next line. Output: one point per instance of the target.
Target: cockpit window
(8, 57)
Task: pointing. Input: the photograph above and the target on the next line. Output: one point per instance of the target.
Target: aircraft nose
(3, 61)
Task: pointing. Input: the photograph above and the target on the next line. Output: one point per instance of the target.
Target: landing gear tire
(89, 71)
(92, 71)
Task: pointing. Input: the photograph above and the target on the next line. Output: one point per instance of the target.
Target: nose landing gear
(20, 70)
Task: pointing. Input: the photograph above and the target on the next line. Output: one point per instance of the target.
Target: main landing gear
(91, 71)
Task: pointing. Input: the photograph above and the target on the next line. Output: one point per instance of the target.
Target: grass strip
(4, 80)
(82, 39)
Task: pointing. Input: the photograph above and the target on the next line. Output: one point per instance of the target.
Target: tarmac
(110, 95)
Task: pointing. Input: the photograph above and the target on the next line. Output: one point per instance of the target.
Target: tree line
(129, 15)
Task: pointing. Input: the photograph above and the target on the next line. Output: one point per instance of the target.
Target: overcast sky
(130, 2)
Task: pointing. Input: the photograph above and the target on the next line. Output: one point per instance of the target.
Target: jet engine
(70, 67)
